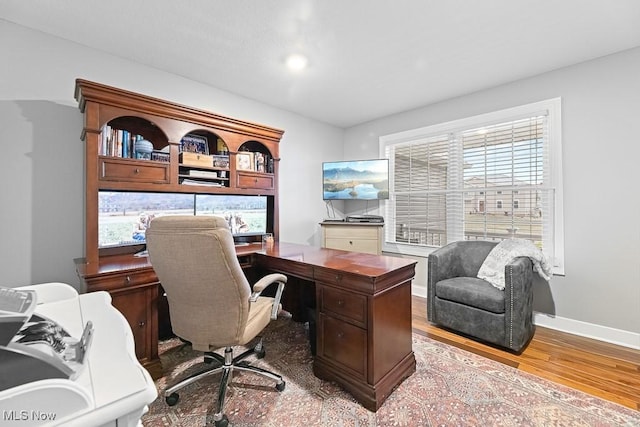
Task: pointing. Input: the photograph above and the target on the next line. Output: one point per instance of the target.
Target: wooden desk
(363, 310)
(364, 316)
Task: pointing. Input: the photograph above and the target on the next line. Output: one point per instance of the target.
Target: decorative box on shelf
(160, 156)
(196, 159)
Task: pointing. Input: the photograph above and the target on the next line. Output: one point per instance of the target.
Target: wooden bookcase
(131, 281)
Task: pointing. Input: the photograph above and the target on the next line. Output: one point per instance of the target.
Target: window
(488, 177)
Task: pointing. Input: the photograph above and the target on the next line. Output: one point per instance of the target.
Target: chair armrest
(518, 301)
(443, 263)
(263, 283)
(518, 277)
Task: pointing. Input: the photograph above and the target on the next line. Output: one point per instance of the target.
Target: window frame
(550, 107)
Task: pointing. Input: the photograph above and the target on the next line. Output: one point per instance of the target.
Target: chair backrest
(465, 257)
(207, 291)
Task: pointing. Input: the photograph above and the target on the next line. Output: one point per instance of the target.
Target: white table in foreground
(111, 388)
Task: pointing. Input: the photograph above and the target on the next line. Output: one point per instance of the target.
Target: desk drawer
(341, 279)
(354, 232)
(114, 169)
(114, 282)
(364, 246)
(287, 267)
(343, 344)
(254, 180)
(348, 305)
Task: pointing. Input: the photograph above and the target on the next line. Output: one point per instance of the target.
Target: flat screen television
(356, 180)
(123, 216)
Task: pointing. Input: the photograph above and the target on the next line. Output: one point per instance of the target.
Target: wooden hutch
(130, 280)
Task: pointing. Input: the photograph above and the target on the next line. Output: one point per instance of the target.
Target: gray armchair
(460, 301)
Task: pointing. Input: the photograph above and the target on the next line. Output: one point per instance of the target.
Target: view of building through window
(488, 182)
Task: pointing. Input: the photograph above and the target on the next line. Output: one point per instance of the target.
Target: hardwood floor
(601, 369)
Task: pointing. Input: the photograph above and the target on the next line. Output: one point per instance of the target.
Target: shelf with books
(198, 169)
(133, 138)
(254, 156)
(216, 177)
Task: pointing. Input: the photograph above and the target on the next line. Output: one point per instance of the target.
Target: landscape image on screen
(244, 214)
(356, 180)
(123, 216)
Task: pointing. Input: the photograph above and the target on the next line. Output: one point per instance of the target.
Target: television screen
(123, 216)
(356, 180)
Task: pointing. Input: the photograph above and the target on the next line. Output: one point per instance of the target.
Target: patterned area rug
(451, 387)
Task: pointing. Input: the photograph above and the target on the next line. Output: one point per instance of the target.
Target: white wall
(600, 293)
(42, 162)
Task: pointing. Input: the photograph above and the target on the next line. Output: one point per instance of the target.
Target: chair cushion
(473, 292)
(259, 318)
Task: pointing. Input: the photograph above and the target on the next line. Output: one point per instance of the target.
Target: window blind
(488, 182)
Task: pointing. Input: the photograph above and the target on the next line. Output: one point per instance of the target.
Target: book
(205, 183)
(203, 174)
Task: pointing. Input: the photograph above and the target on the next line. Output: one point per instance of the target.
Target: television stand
(353, 236)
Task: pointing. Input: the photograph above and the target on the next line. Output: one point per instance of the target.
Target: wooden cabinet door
(134, 306)
(343, 344)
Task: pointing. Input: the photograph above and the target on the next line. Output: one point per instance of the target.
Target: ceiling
(367, 58)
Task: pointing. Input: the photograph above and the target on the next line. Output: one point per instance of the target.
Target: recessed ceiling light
(297, 62)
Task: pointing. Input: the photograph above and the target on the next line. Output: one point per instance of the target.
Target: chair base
(225, 365)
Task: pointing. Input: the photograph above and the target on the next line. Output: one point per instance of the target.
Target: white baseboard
(419, 291)
(588, 330)
(575, 327)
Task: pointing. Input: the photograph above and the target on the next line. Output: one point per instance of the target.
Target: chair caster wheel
(261, 353)
(224, 422)
(281, 386)
(172, 399)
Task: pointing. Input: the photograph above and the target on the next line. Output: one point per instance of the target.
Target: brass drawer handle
(127, 280)
(340, 303)
(136, 170)
(141, 324)
(340, 335)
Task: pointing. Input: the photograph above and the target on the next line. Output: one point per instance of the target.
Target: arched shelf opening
(254, 156)
(203, 160)
(204, 141)
(122, 136)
